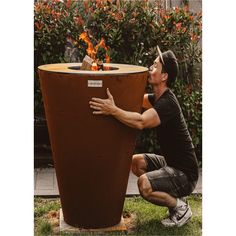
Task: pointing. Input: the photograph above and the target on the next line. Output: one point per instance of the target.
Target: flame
(102, 44)
(92, 51)
(94, 68)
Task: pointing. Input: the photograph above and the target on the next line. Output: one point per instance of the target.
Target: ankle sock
(179, 203)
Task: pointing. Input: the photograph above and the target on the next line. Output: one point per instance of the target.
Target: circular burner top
(74, 68)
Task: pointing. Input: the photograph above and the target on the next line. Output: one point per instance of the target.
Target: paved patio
(45, 183)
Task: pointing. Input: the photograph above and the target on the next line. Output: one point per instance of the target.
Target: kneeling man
(164, 179)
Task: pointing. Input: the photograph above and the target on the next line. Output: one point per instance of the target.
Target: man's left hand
(103, 106)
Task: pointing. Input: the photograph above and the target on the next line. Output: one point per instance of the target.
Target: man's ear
(164, 77)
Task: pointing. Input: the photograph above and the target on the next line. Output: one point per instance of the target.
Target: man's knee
(144, 186)
(145, 189)
(138, 164)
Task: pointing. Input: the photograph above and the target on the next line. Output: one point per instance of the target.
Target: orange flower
(186, 8)
(194, 37)
(166, 17)
(117, 16)
(47, 9)
(177, 9)
(68, 4)
(38, 25)
(37, 7)
(55, 14)
(86, 6)
(190, 18)
(78, 20)
(178, 25)
(99, 3)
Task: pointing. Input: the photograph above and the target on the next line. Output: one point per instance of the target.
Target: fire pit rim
(122, 69)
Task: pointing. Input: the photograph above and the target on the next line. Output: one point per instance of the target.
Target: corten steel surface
(92, 154)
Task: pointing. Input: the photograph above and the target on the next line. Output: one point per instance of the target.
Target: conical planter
(92, 154)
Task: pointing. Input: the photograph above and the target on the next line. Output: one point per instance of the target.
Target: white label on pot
(94, 83)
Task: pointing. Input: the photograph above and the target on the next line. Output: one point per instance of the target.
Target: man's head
(165, 69)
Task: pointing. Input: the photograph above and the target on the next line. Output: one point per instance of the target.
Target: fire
(92, 51)
(94, 68)
(102, 44)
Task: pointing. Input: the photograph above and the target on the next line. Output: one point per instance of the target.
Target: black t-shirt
(175, 141)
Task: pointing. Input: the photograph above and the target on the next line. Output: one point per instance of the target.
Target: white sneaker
(179, 217)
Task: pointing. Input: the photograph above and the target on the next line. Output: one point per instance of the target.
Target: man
(163, 180)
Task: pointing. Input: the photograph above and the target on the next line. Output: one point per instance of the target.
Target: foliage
(131, 29)
(41, 208)
(44, 228)
(46, 212)
(190, 98)
(54, 21)
(128, 29)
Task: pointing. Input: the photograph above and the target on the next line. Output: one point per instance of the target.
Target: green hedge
(131, 30)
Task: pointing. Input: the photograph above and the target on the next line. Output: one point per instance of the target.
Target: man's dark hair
(170, 66)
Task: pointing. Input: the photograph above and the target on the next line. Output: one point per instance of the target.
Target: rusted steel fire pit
(92, 154)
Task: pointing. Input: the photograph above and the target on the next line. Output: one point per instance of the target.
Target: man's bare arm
(146, 103)
(148, 119)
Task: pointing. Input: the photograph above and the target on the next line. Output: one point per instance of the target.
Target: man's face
(156, 77)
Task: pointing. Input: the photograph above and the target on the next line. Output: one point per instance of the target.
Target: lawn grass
(144, 218)
(149, 216)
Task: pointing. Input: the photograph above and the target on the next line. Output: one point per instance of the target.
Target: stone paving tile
(132, 187)
(44, 180)
(55, 186)
(46, 183)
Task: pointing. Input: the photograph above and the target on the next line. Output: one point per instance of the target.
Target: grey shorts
(167, 179)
